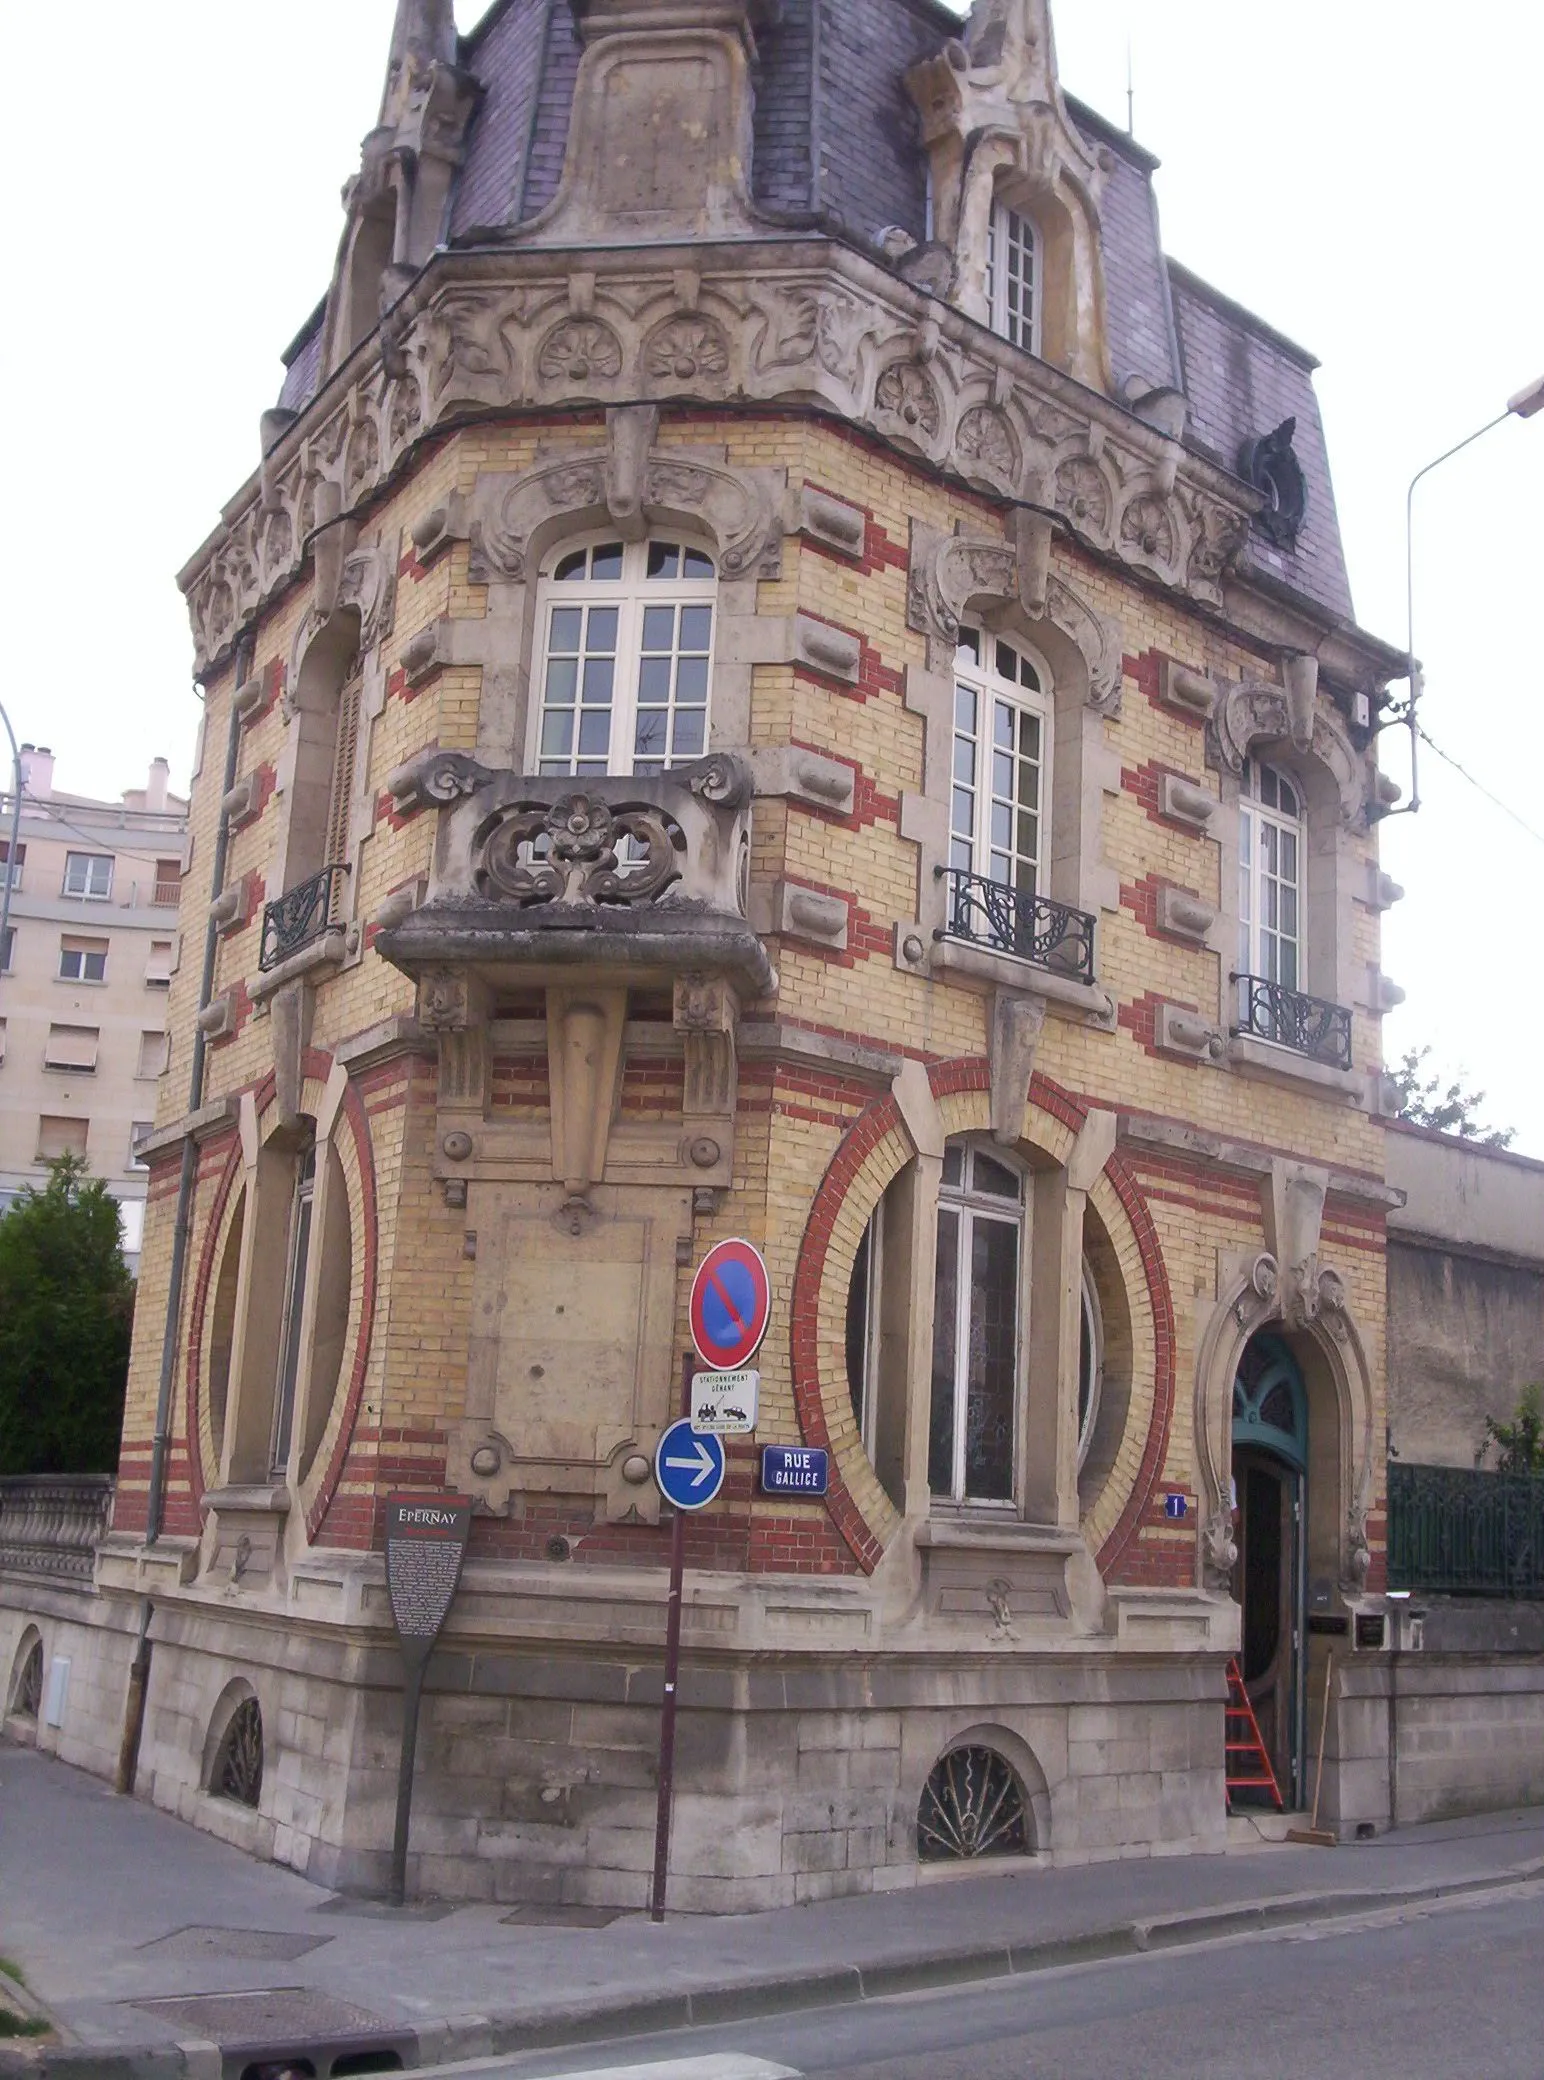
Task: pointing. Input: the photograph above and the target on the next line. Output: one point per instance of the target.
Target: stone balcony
(643, 876)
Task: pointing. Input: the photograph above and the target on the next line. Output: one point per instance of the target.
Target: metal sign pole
(667, 1714)
(412, 1698)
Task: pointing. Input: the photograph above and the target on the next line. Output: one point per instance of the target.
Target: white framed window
(137, 1133)
(1001, 752)
(625, 653)
(7, 949)
(1271, 843)
(89, 874)
(973, 1430)
(158, 968)
(82, 960)
(1013, 277)
(18, 870)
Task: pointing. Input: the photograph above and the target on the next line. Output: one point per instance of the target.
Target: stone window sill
(324, 952)
(972, 1532)
(1260, 1058)
(1008, 971)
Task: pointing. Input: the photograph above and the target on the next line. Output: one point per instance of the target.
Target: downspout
(163, 1407)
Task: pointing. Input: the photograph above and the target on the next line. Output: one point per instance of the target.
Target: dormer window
(1013, 277)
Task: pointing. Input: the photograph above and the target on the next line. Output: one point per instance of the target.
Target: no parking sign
(731, 1301)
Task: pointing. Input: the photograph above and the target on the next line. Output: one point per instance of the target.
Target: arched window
(1090, 1362)
(973, 1431)
(297, 1263)
(1272, 956)
(1013, 277)
(625, 650)
(1002, 746)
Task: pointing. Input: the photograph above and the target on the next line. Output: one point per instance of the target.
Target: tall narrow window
(298, 1259)
(1012, 277)
(7, 949)
(862, 1338)
(626, 634)
(1001, 747)
(16, 870)
(1270, 893)
(972, 1438)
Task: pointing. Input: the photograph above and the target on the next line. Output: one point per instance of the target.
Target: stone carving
(1219, 1553)
(369, 583)
(568, 852)
(998, 1592)
(1017, 1023)
(707, 1014)
(1250, 712)
(1292, 1203)
(1147, 527)
(686, 349)
(435, 776)
(947, 572)
(985, 437)
(779, 338)
(1083, 495)
(905, 392)
(445, 999)
(739, 509)
(580, 350)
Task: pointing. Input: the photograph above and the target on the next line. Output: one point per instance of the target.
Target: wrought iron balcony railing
(1458, 1532)
(1287, 1018)
(991, 913)
(300, 915)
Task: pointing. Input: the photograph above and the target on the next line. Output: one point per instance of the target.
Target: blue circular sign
(689, 1466)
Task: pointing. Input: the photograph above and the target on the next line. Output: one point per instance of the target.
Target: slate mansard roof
(836, 149)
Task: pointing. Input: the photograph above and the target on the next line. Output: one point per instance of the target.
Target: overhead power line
(1479, 785)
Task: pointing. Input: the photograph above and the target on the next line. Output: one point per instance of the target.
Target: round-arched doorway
(1270, 1462)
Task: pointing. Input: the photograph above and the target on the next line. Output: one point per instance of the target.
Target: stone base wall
(1469, 1733)
(97, 1636)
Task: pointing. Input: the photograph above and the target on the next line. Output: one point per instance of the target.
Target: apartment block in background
(85, 969)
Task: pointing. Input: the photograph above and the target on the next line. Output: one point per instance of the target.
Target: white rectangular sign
(724, 1403)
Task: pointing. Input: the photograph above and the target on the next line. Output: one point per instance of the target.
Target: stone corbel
(833, 652)
(630, 434)
(290, 1013)
(1184, 914)
(790, 911)
(585, 1033)
(832, 522)
(1292, 1205)
(1182, 687)
(1180, 1030)
(1185, 802)
(439, 527)
(794, 774)
(1017, 1023)
(706, 1013)
(1300, 675)
(219, 1017)
(432, 778)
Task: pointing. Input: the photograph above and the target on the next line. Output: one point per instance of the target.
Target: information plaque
(426, 1541)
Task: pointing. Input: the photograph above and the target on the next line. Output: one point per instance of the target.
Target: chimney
(156, 785)
(37, 771)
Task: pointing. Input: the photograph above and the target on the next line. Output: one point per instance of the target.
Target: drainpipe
(163, 1407)
(134, 1711)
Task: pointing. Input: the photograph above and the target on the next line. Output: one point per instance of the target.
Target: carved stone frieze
(837, 331)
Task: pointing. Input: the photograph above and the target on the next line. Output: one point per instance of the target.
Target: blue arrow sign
(689, 1466)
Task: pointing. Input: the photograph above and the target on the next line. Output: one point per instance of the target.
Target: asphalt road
(1442, 1990)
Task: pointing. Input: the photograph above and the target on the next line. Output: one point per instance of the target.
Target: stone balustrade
(50, 1524)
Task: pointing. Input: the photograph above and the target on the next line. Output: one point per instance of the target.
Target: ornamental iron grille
(1466, 1533)
(238, 1767)
(28, 1701)
(972, 1805)
(1287, 1018)
(300, 915)
(1270, 1405)
(1012, 920)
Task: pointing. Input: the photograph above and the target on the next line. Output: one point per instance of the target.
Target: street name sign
(724, 1403)
(689, 1466)
(730, 1305)
(788, 1469)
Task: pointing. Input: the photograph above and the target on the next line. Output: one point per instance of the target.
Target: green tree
(1520, 1443)
(66, 1309)
(1425, 1102)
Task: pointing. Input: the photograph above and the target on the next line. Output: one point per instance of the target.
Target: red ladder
(1247, 1766)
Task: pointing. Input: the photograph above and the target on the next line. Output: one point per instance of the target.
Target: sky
(1364, 174)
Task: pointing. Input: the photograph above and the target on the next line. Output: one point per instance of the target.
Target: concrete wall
(1465, 1292)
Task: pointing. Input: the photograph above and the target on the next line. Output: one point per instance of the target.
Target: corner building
(783, 674)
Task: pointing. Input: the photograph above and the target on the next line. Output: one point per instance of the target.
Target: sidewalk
(141, 1934)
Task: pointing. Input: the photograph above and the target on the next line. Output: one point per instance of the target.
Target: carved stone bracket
(1292, 1204)
(1017, 1023)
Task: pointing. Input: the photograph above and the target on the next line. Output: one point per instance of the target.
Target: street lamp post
(10, 850)
(1521, 406)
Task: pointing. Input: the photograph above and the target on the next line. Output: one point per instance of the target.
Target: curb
(458, 2038)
